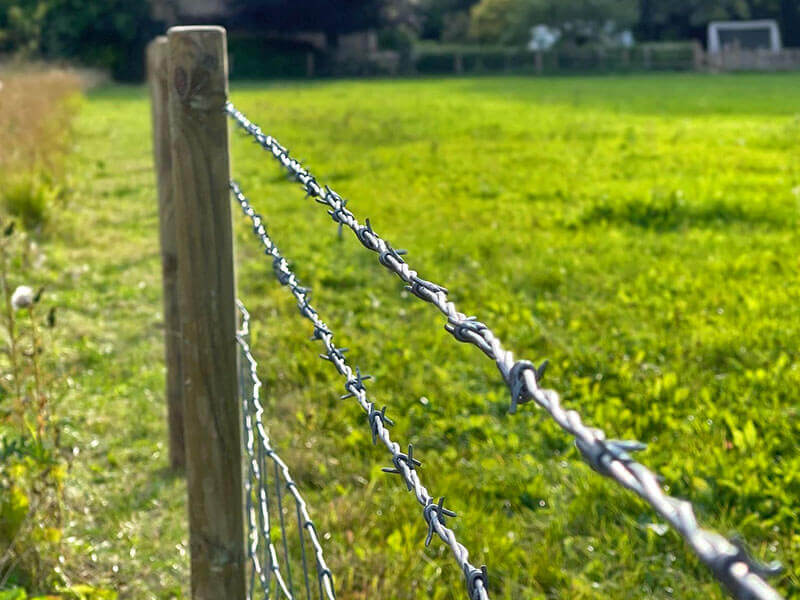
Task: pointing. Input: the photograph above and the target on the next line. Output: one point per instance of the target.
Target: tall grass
(36, 108)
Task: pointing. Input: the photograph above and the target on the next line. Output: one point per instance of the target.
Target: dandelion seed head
(22, 297)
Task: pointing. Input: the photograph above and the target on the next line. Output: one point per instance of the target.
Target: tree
(582, 21)
(500, 21)
(107, 34)
(331, 18)
(790, 22)
(439, 16)
(21, 26)
(579, 21)
(110, 33)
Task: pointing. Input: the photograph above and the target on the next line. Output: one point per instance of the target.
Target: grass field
(640, 232)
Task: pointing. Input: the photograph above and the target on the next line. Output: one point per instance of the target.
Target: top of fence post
(198, 87)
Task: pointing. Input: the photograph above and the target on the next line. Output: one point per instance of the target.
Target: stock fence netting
(730, 563)
(270, 567)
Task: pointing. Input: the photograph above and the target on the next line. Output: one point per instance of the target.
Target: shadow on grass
(678, 94)
(670, 212)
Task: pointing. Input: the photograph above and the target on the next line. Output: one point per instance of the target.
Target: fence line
(199, 185)
(259, 449)
(405, 465)
(728, 560)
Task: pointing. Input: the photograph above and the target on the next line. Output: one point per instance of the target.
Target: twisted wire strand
(728, 561)
(434, 513)
(255, 434)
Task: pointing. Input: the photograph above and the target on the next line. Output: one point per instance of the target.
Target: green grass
(640, 232)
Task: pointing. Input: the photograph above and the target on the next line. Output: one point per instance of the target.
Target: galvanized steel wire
(264, 562)
(434, 513)
(729, 562)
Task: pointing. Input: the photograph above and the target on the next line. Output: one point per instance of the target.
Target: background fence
(252, 59)
(245, 539)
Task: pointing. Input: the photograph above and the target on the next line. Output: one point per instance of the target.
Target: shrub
(442, 58)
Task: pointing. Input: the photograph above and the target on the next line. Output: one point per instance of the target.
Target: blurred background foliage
(111, 34)
(37, 104)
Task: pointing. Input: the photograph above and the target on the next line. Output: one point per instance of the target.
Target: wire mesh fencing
(728, 560)
(405, 465)
(283, 546)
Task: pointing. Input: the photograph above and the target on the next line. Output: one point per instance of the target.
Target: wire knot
(331, 198)
(281, 269)
(474, 575)
(599, 453)
(311, 186)
(722, 563)
(367, 236)
(334, 355)
(374, 417)
(403, 459)
(435, 513)
(320, 330)
(338, 212)
(425, 290)
(469, 330)
(356, 384)
(390, 254)
(258, 225)
(306, 309)
(520, 394)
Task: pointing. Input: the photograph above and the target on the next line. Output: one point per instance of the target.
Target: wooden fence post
(157, 67)
(309, 64)
(198, 88)
(647, 53)
(698, 56)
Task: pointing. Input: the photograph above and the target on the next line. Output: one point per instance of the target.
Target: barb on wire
(264, 562)
(730, 564)
(404, 464)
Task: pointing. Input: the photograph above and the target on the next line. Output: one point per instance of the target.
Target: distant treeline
(111, 33)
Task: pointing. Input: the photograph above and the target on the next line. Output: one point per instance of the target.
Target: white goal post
(746, 35)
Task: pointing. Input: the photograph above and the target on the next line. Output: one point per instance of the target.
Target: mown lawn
(640, 232)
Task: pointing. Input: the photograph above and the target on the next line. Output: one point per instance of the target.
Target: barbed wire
(434, 513)
(728, 561)
(259, 449)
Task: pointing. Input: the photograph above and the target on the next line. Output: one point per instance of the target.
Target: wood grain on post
(157, 68)
(198, 86)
